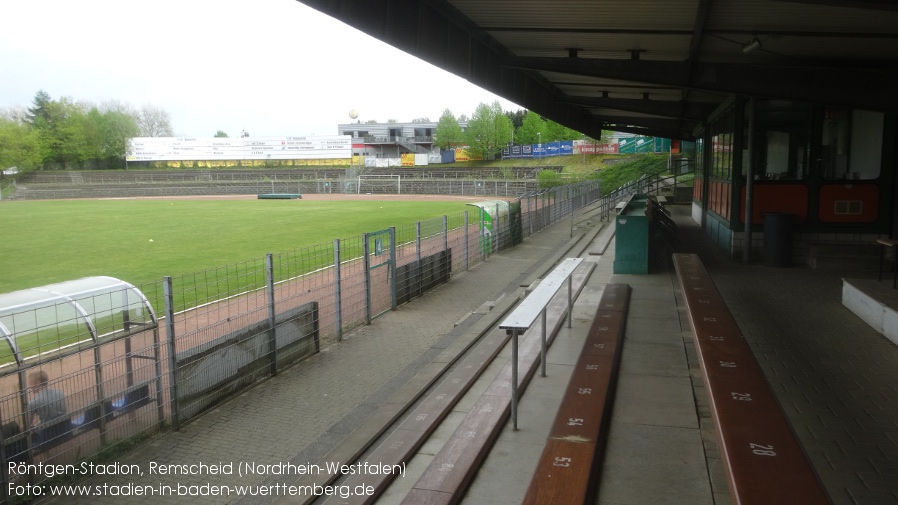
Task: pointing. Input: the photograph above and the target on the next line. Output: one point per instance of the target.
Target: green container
(631, 227)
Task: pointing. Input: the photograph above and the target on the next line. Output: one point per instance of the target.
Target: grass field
(140, 241)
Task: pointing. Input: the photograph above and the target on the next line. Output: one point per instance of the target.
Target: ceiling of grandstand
(653, 67)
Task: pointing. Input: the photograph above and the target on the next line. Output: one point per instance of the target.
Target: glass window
(722, 145)
(782, 142)
(851, 144)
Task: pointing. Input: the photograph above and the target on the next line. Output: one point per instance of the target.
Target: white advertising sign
(246, 148)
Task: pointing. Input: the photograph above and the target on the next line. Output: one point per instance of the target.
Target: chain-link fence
(203, 337)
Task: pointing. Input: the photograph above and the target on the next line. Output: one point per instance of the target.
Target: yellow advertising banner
(462, 155)
(408, 159)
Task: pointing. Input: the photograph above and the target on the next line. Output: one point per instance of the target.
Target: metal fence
(109, 184)
(218, 331)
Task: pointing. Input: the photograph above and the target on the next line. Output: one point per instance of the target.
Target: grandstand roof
(653, 67)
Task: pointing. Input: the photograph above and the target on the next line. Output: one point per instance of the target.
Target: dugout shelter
(490, 216)
(97, 341)
(43, 322)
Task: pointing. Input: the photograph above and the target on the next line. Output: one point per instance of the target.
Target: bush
(630, 169)
(548, 179)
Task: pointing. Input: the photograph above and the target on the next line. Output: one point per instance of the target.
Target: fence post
(482, 238)
(418, 275)
(98, 374)
(393, 268)
(570, 192)
(366, 252)
(529, 215)
(338, 309)
(172, 357)
(466, 241)
(272, 323)
(497, 232)
(446, 233)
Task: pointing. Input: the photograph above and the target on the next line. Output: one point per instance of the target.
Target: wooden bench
(762, 458)
(448, 475)
(567, 470)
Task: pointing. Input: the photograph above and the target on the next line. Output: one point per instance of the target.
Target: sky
(269, 67)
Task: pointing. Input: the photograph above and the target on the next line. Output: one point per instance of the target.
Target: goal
(380, 184)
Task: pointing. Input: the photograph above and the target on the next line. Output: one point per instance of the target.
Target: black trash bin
(778, 230)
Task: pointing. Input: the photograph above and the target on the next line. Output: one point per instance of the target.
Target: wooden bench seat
(762, 458)
(455, 465)
(567, 469)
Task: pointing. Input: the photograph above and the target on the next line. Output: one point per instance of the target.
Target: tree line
(63, 133)
(67, 134)
(490, 129)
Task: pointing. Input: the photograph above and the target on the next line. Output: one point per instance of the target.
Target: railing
(227, 327)
(647, 184)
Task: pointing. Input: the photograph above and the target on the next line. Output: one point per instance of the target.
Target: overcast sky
(270, 67)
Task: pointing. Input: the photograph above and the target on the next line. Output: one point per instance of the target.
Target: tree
(117, 128)
(75, 133)
(448, 132)
(221, 134)
(16, 113)
(555, 131)
(38, 113)
(19, 146)
(517, 117)
(531, 127)
(154, 122)
(504, 127)
(61, 126)
(423, 119)
(488, 130)
(392, 121)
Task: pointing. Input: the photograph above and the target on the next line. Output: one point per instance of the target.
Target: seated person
(47, 405)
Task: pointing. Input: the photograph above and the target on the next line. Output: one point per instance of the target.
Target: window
(722, 145)
(782, 142)
(851, 144)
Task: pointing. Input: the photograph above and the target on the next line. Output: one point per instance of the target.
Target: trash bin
(778, 231)
(631, 229)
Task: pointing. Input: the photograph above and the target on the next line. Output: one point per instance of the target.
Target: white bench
(522, 317)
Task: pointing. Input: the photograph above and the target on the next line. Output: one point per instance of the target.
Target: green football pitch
(140, 241)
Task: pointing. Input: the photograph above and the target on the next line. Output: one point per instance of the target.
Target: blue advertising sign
(567, 147)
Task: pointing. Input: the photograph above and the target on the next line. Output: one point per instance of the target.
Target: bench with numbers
(762, 457)
(567, 470)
